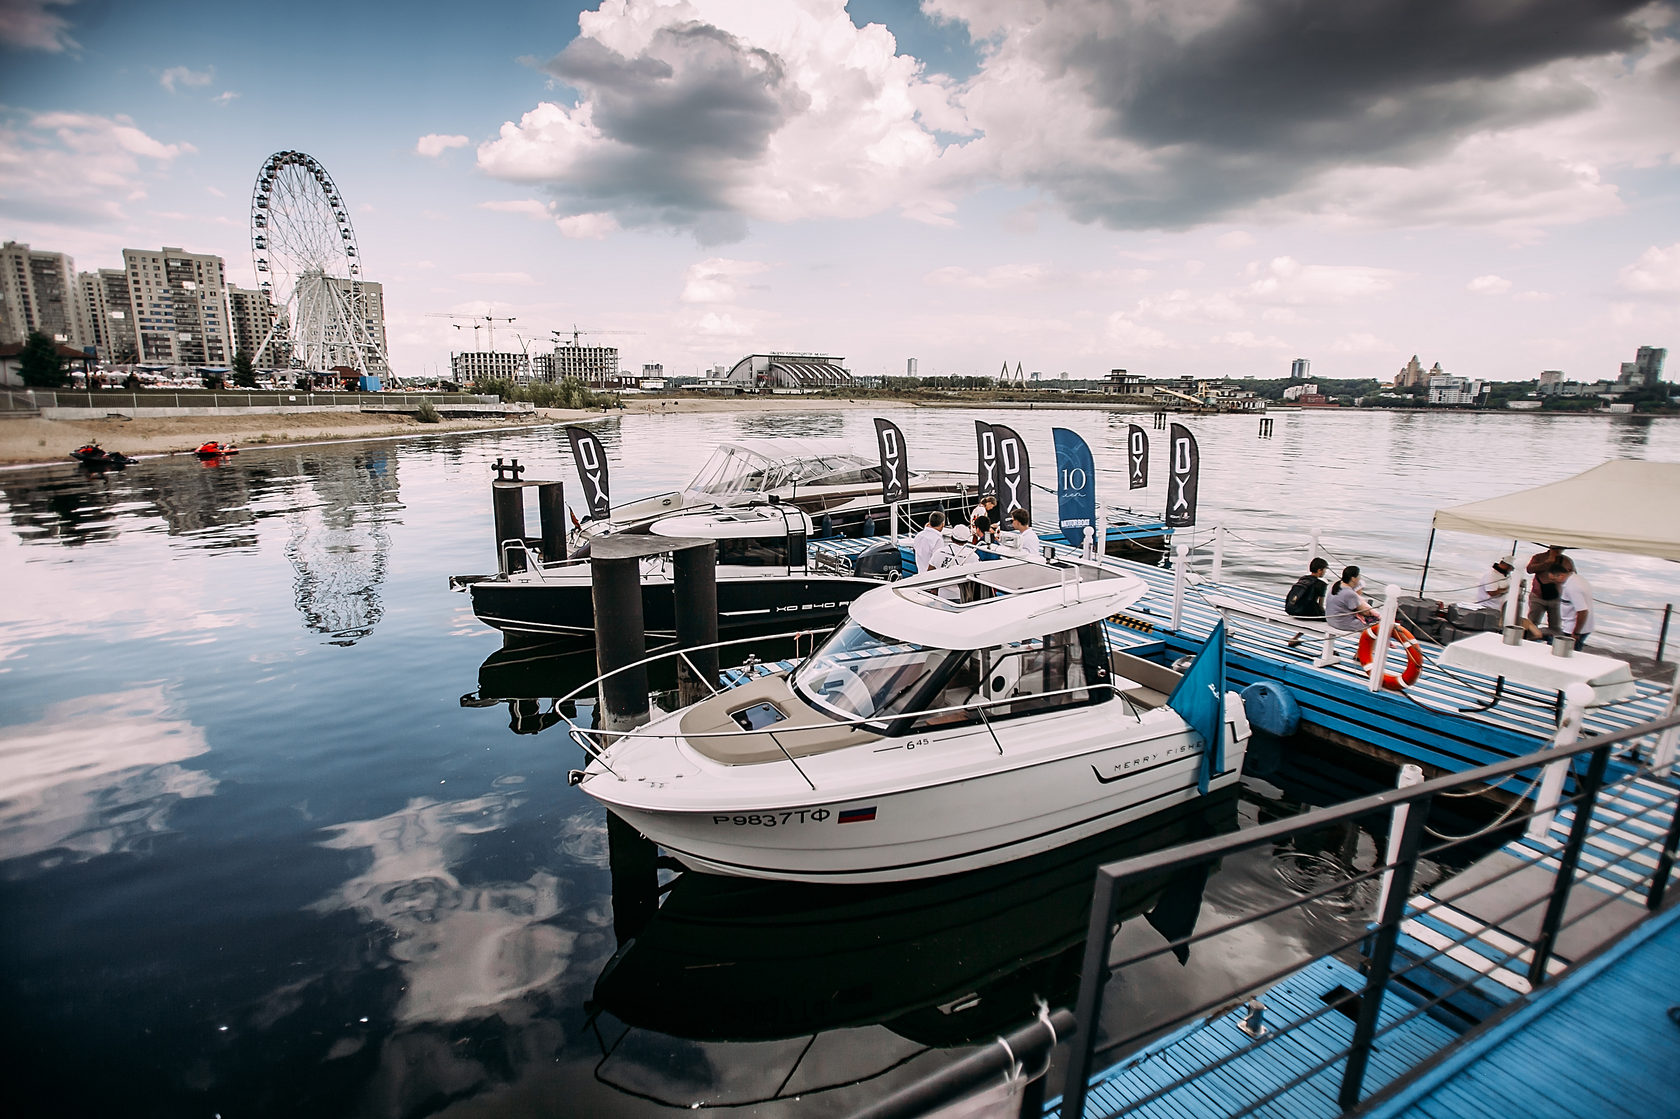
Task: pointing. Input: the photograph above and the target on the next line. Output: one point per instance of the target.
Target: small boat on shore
(958, 719)
(213, 449)
(98, 458)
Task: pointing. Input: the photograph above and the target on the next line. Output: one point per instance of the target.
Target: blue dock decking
(1600, 1042)
(1596, 1041)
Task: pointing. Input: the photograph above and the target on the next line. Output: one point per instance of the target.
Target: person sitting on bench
(1346, 609)
(1306, 598)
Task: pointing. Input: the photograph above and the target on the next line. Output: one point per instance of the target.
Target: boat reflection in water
(528, 678)
(940, 963)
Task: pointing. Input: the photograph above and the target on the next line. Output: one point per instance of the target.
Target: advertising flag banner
(1014, 473)
(591, 459)
(988, 457)
(1137, 457)
(895, 475)
(1076, 486)
(1184, 469)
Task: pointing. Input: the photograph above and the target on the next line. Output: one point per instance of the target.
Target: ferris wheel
(307, 263)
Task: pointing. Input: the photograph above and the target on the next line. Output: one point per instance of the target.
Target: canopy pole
(1427, 552)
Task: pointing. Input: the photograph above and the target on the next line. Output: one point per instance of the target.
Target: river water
(283, 830)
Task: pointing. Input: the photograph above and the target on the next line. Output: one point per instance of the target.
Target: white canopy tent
(1624, 505)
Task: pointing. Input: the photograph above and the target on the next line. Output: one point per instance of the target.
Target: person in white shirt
(1026, 540)
(927, 541)
(955, 550)
(1575, 606)
(987, 508)
(1495, 586)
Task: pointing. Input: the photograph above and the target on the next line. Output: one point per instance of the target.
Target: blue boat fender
(1272, 708)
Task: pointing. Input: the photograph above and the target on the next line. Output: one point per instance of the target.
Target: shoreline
(33, 441)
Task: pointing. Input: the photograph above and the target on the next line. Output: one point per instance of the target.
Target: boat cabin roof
(777, 520)
(994, 602)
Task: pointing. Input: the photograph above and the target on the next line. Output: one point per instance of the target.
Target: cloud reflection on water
(97, 774)
(463, 949)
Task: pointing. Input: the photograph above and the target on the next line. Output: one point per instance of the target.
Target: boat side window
(753, 551)
(1047, 672)
(851, 476)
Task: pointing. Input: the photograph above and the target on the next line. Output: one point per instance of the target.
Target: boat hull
(962, 824)
(555, 607)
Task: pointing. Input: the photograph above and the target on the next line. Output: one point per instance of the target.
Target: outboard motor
(879, 560)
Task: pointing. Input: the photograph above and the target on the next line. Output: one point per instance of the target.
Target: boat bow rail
(598, 744)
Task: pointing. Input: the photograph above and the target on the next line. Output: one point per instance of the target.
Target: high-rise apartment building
(593, 365)
(254, 319)
(367, 298)
(180, 306)
(1645, 369)
(37, 292)
(484, 365)
(105, 314)
(1299, 369)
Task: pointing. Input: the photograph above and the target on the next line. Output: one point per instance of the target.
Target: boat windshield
(737, 471)
(862, 675)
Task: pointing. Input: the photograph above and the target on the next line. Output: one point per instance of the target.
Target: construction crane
(559, 335)
(477, 322)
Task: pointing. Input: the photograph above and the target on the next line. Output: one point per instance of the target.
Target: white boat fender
(1236, 713)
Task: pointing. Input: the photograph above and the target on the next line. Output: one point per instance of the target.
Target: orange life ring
(1414, 656)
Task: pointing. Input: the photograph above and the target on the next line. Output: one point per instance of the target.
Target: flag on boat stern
(1200, 701)
(857, 815)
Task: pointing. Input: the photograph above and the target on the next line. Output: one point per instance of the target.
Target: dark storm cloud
(1253, 106)
(687, 119)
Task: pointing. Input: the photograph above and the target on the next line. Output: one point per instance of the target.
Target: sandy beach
(34, 440)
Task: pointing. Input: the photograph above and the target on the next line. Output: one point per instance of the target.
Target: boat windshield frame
(877, 694)
(733, 472)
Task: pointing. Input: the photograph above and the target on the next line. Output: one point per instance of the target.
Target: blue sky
(1204, 187)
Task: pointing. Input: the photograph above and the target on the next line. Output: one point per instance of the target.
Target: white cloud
(1002, 277)
(1236, 239)
(1656, 272)
(226, 97)
(704, 113)
(1248, 340)
(1122, 332)
(1488, 285)
(529, 207)
(1286, 280)
(587, 227)
(718, 279)
(216, 192)
(28, 25)
(434, 144)
(77, 169)
(184, 76)
(499, 279)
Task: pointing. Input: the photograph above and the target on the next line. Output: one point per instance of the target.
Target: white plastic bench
(1327, 654)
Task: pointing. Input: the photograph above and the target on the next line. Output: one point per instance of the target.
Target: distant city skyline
(1172, 189)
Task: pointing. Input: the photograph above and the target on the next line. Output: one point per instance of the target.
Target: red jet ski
(214, 449)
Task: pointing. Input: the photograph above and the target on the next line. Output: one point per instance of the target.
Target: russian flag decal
(857, 815)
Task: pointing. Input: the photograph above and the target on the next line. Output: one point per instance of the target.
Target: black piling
(1160, 421)
(507, 500)
(551, 515)
(1265, 427)
(694, 575)
(620, 639)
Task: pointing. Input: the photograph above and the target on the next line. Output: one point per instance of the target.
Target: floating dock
(1461, 1029)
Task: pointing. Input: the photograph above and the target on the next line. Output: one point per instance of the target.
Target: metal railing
(1408, 809)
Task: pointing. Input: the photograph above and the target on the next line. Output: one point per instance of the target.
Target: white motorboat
(957, 719)
(824, 477)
